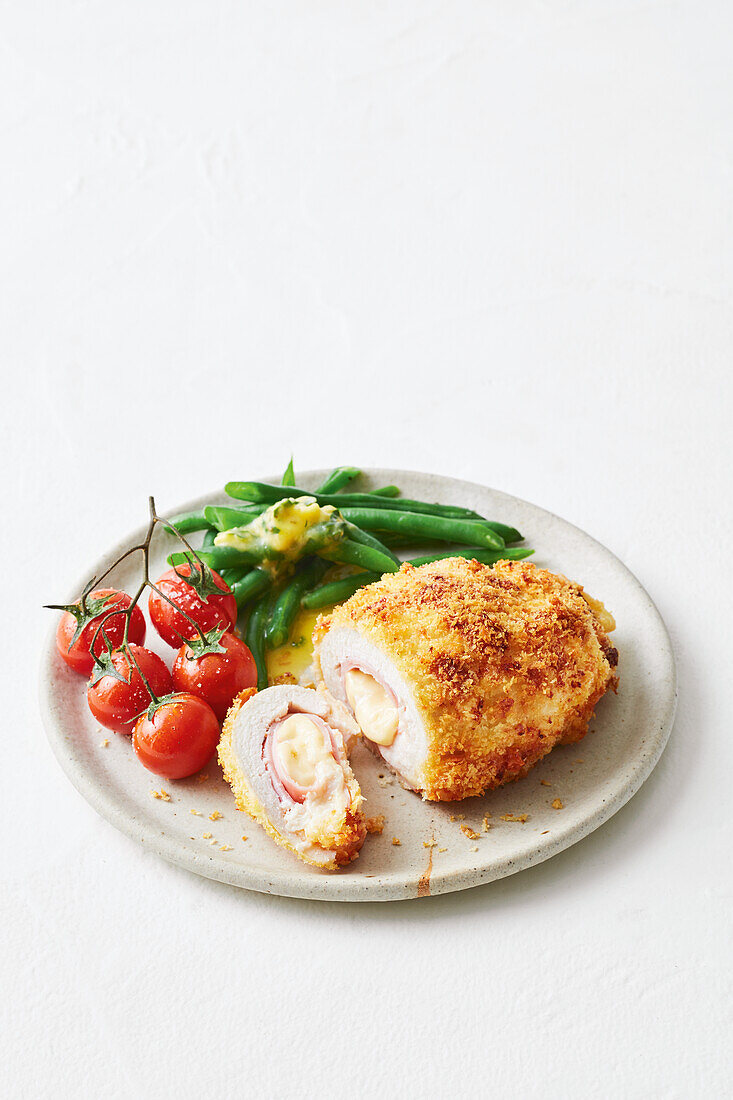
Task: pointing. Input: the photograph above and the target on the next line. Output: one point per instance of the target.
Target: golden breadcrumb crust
(344, 844)
(505, 663)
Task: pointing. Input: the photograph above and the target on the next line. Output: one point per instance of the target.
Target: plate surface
(592, 779)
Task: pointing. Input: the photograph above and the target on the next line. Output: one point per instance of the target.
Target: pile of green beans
(374, 523)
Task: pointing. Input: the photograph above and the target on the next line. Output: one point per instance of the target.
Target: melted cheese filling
(302, 755)
(373, 707)
(605, 619)
(300, 747)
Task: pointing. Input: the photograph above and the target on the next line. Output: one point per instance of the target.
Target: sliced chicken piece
(284, 754)
(462, 676)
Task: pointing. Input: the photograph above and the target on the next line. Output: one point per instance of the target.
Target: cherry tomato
(216, 677)
(172, 626)
(116, 704)
(77, 654)
(179, 739)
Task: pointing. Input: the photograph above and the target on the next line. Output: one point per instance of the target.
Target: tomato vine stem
(146, 582)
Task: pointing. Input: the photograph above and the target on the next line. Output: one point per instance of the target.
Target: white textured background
(492, 240)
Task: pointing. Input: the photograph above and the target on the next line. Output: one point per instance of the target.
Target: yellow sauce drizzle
(293, 658)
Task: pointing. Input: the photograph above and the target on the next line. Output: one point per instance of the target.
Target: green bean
(260, 492)
(487, 557)
(289, 475)
(253, 583)
(366, 557)
(288, 600)
(385, 491)
(403, 504)
(468, 532)
(257, 491)
(392, 539)
(224, 518)
(337, 591)
(254, 636)
(209, 538)
(220, 557)
(395, 540)
(231, 576)
(188, 522)
(269, 494)
(366, 539)
(336, 480)
(509, 534)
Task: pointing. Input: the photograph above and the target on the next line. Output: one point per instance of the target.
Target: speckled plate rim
(391, 887)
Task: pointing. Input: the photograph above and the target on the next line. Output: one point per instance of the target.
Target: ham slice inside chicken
(300, 756)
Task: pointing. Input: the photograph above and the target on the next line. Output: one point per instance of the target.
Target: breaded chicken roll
(284, 753)
(462, 676)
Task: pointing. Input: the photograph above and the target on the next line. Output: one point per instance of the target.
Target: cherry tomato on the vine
(179, 738)
(77, 653)
(115, 703)
(214, 610)
(216, 677)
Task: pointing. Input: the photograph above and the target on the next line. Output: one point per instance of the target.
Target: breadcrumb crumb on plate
(626, 738)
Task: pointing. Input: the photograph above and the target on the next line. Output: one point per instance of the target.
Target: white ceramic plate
(592, 779)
